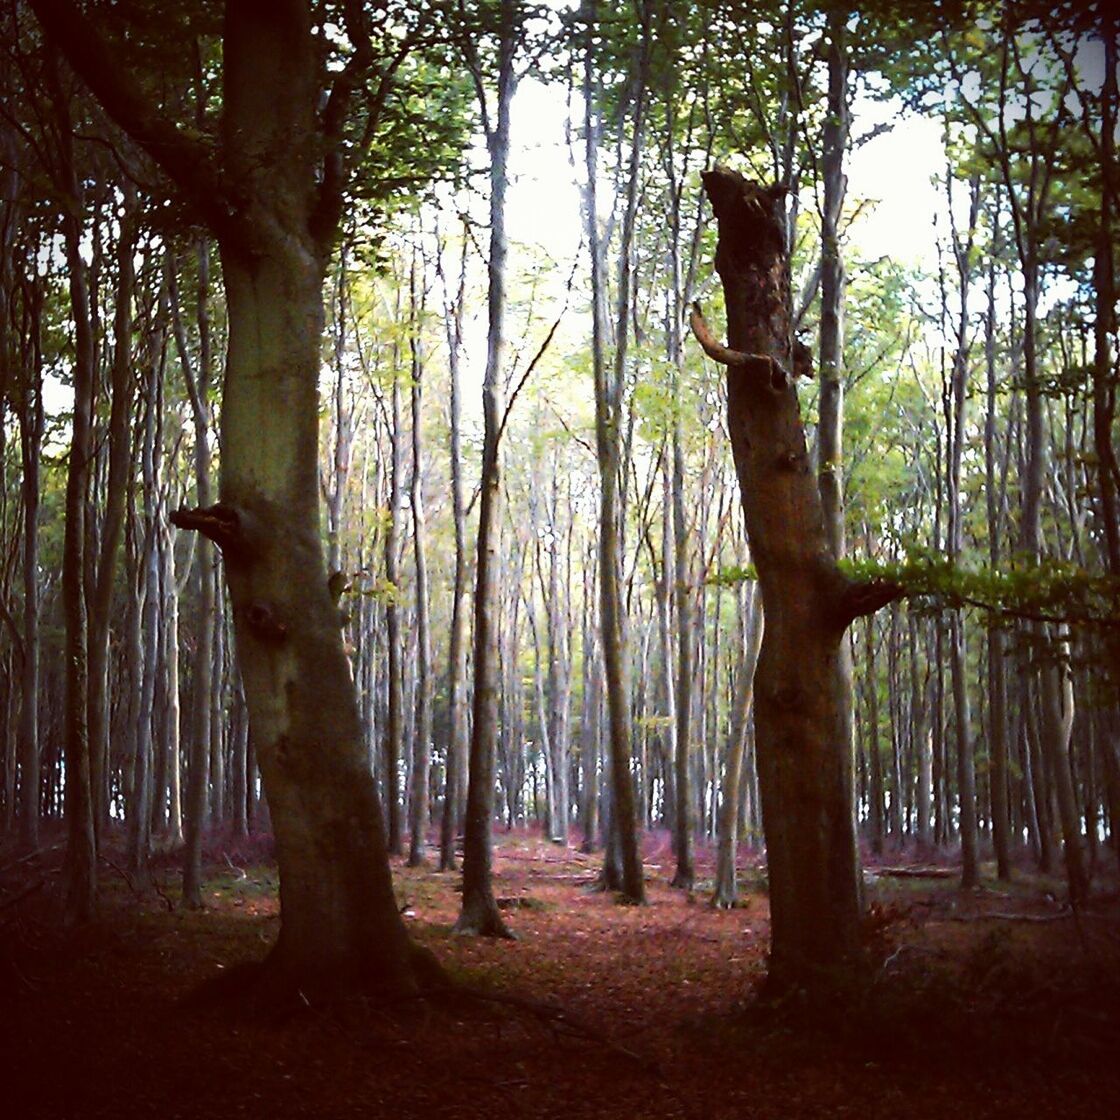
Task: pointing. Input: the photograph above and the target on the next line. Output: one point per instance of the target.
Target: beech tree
(804, 755)
(271, 188)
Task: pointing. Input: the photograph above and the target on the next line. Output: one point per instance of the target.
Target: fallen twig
(233, 867)
(914, 872)
(30, 856)
(999, 916)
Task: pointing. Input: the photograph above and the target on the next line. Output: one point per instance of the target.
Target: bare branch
(779, 376)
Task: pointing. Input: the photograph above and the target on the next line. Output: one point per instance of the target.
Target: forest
(559, 557)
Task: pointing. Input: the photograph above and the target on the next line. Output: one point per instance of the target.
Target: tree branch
(222, 524)
(866, 597)
(187, 159)
(779, 376)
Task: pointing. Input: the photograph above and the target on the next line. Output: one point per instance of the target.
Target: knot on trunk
(222, 524)
(262, 620)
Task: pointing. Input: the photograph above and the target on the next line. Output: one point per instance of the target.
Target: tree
(271, 188)
(804, 758)
(726, 890)
(608, 444)
(480, 914)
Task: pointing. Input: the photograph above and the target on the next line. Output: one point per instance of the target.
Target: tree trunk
(608, 419)
(120, 466)
(139, 830)
(874, 752)
(275, 216)
(198, 751)
(81, 850)
(479, 913)
(31, 425)
(726, 888)
(804, 753)
(421, 746)
(830, 431)
(394, 731)
(455, 790)
(997, 669)
(171, 660)
(683, 817)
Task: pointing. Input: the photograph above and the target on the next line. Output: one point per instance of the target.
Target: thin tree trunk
(455, 791)
(421, 747)
(81, 851)
(997, 669)
(120, 465)
(31, 426)
(174, 714)
(198, 751)
(608, 419)
(394, 730)
(479, 913)
(874, 753)
(726, 889)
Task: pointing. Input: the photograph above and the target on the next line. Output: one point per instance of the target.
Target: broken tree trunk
(803, 749)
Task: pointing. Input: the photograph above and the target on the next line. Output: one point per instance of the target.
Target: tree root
(480, 917)
(272, 989)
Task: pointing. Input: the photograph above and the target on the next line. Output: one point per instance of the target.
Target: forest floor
(983, 1004)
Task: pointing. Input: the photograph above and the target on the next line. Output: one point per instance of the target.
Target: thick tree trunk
(804, 753)
(340, 918)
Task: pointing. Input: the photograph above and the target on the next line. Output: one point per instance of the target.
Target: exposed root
(272, 989)
(480, 917)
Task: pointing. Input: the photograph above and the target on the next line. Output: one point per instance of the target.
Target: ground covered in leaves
(990, 1003)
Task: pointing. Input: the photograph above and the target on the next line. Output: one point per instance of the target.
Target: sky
(894, 172)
